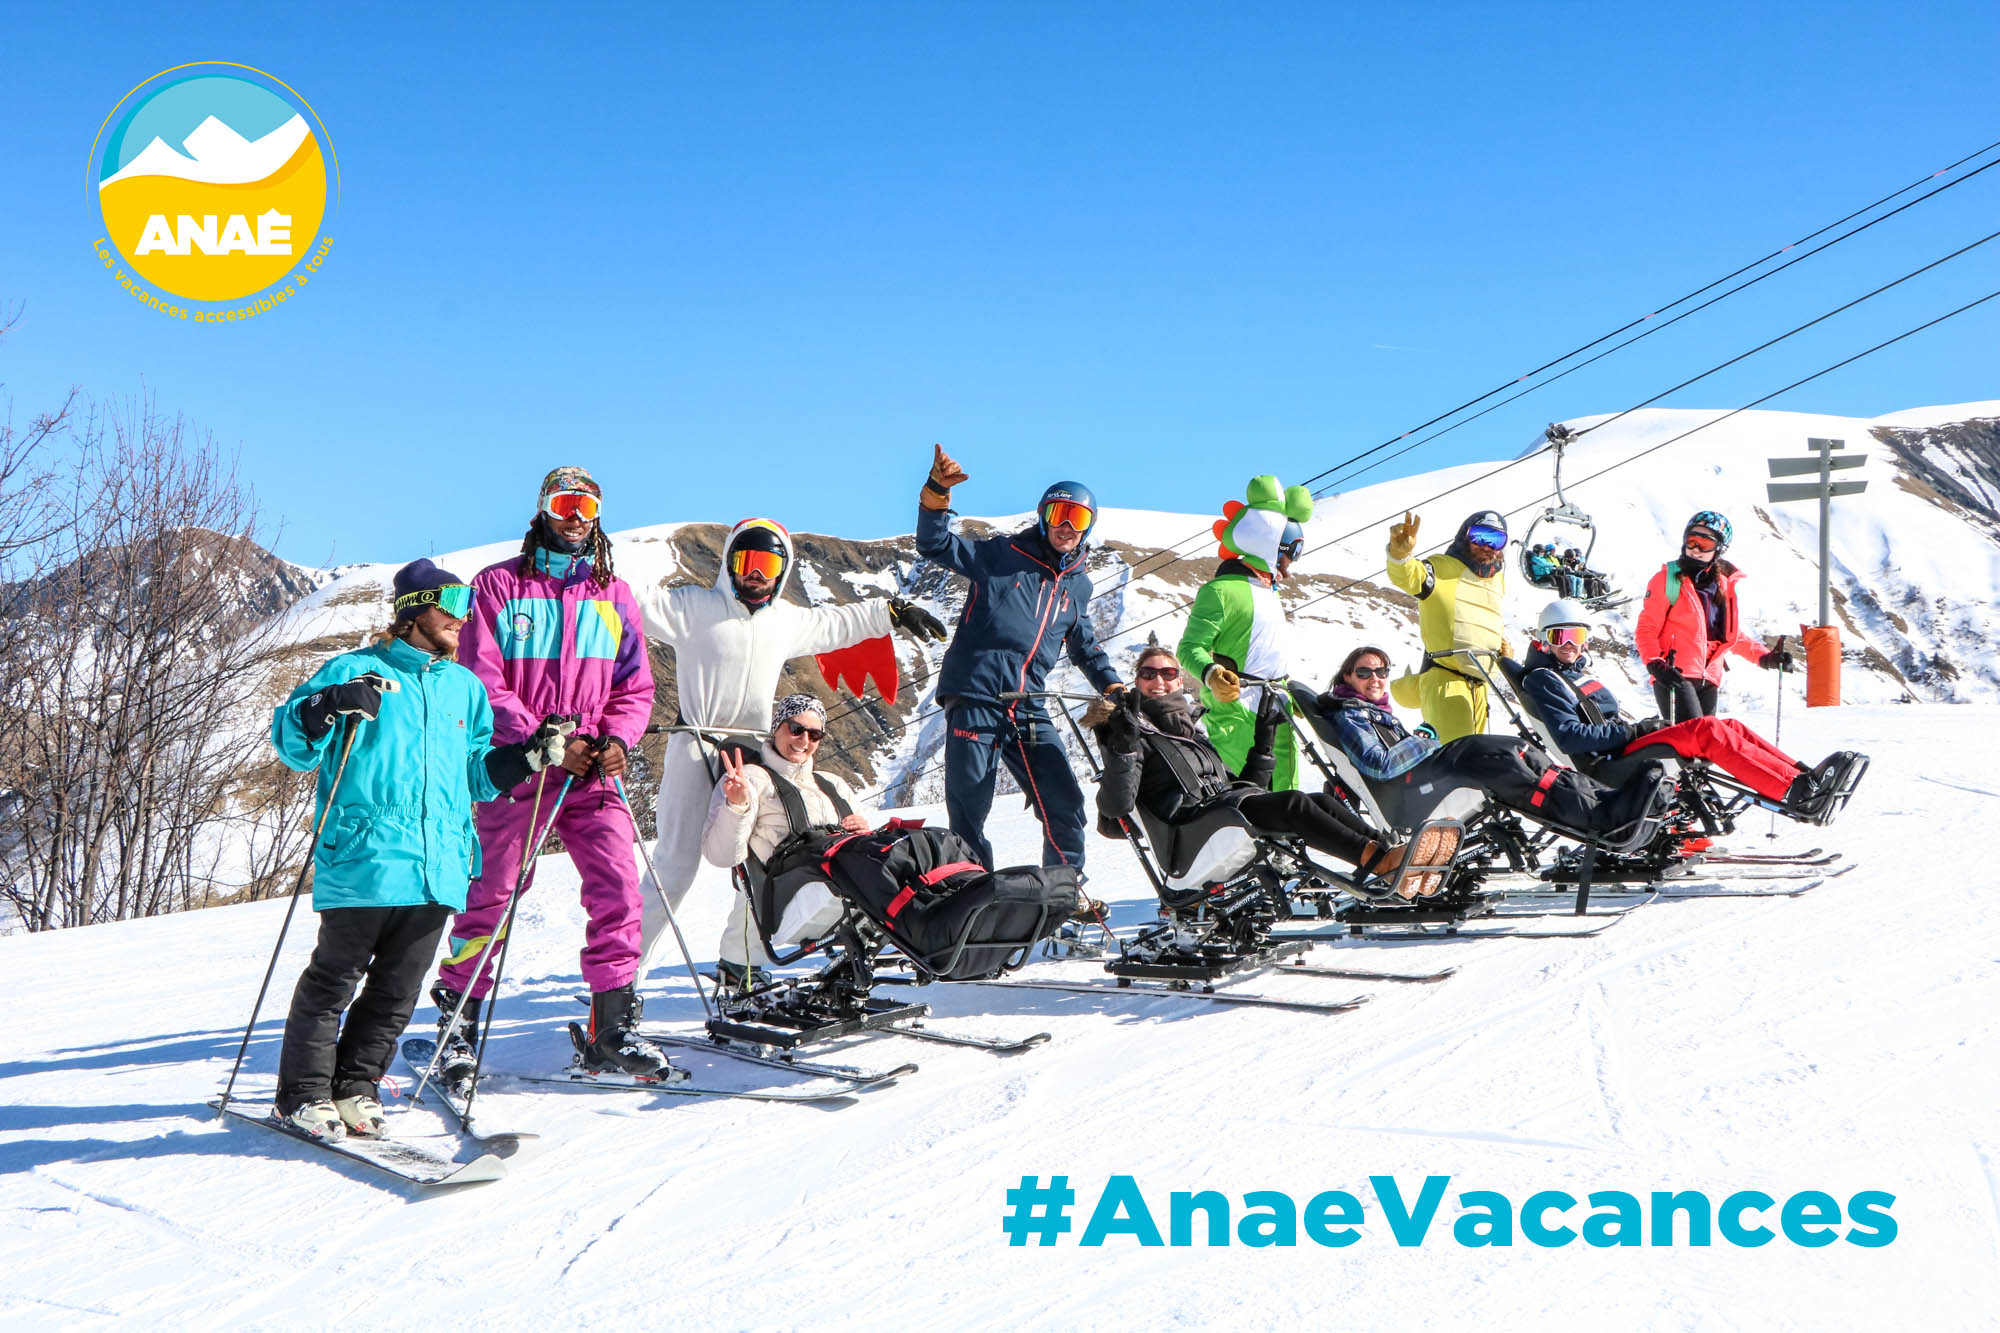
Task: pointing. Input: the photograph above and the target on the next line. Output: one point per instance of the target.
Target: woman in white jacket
(746, 816)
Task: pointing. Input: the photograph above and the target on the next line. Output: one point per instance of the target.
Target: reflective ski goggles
(765, 564)
(812, 735)
(571, 505)
(454, 599)
(1700, 541)
(1058, 512)
(1168, 673)
(1293, 550)
(1557, 635)
(1493, 539)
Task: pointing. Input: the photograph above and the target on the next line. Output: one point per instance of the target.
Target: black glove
(1646, 726)
(361, 696)
(1663, 672)
(1120, 731)
(1778, 659)
(1107, 827)
(511, 765)
(917, 621)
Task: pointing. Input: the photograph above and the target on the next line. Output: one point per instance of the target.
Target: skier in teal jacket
(396, 848)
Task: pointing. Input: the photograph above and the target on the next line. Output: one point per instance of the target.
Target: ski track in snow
(1838, 1041)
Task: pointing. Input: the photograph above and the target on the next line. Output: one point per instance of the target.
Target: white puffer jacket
(731, 834)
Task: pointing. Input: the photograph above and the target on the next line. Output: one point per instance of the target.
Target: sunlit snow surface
(1841, 1041)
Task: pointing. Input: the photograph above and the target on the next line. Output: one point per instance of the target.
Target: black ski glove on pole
(511, 765)
(916, 621)
(361, 696)
(1664, 672)
(1778, 659)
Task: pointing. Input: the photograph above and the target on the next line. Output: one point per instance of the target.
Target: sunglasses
(1159, 673)
(1557, 635)
(1370, 673)
(1058, 512)
(1700, 541)
(454, 599)
(813, 735)
(571, 504)
(765, 563)
(1493, 539)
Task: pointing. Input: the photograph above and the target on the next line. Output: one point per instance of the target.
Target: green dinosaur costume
(1237, 620)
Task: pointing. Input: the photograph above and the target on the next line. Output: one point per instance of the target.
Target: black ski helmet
(756, 536)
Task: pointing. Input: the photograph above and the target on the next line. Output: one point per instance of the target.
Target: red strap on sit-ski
(899, 902)
(946, 870)
(1542, 787)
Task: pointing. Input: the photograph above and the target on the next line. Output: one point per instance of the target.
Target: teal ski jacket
(400, 833)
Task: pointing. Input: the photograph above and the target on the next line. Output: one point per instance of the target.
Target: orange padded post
(1822, 665)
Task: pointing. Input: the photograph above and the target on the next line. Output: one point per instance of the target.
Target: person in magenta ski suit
(555, 632)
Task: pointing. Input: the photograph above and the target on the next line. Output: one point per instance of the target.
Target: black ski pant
(392, 947)
(1323, 823)
(1685, 699)
(980, 737)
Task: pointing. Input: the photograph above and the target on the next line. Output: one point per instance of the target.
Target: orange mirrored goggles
(572, 504)
(1057, 512)
(764, 563)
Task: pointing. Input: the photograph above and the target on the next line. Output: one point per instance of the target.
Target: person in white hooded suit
(731, 642)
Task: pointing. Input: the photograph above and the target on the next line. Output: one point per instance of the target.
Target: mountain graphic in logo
(213, 187)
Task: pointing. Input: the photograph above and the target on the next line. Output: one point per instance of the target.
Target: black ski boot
(613, 1044)
(460, 1056)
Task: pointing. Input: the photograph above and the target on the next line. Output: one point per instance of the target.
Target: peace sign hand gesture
(735, 789)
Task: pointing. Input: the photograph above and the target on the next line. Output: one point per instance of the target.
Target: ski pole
(530, 852)
(346, 748)
(665, 902)
(1778, 727)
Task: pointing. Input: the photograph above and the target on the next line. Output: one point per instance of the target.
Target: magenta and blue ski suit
(549, 644)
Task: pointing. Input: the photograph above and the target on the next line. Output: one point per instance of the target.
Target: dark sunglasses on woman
(801, 729)
(1159, 673)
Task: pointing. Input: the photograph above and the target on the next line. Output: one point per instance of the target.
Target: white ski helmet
(1562, 611)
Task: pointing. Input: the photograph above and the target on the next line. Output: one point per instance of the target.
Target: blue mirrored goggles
(1493, 539)
(454, 599)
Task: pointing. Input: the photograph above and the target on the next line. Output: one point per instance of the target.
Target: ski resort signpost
(1823, 640)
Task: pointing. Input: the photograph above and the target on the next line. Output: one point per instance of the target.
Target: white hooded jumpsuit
(727, 661)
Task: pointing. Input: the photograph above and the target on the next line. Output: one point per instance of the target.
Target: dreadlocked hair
(598, 552)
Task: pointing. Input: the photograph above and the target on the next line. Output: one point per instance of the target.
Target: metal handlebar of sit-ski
(1097, 772)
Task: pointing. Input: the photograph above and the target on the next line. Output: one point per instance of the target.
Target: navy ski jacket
(1026, 604)
(1581, 715)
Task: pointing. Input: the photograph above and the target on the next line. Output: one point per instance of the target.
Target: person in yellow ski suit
(1458, 592)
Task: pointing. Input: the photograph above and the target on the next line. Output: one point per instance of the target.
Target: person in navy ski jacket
(1585, 722)
(1029, 603)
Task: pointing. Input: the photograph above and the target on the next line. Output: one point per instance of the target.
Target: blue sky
(755, 258)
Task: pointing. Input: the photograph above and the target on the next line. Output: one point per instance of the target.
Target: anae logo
(212, 179)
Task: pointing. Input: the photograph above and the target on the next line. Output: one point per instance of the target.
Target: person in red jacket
(1689, 623)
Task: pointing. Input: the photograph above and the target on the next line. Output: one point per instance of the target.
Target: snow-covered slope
(1838, 1042)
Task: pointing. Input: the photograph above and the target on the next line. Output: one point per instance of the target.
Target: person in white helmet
(1585, 722)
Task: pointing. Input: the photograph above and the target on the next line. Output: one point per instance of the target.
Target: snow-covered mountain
(1916, 563)
(215, 154)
